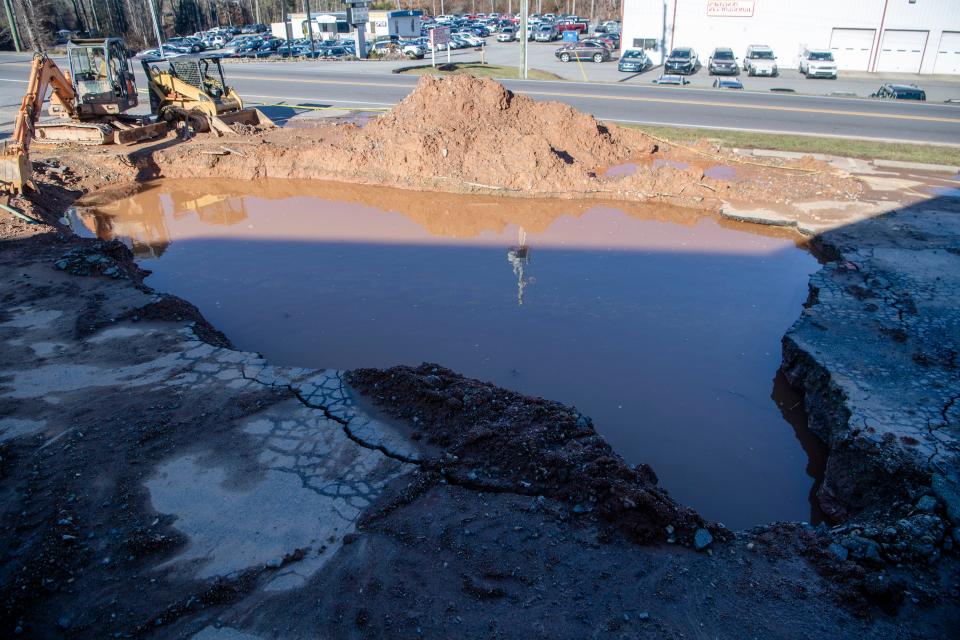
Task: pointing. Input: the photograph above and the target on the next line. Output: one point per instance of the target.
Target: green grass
(478, 70)
(846, 147)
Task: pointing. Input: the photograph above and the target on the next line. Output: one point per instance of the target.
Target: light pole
(156, 28)
(524, 10)
(14, 31)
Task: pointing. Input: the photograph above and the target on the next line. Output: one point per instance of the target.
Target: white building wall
(786, 25)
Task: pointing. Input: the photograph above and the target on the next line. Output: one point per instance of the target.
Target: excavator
(193, 89)
(91, 98)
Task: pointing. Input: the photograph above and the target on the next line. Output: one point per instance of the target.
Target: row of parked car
(759, 60)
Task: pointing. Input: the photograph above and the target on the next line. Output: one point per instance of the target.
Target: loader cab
(101, 76)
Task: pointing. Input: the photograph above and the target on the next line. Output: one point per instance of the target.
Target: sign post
(358, 12)
(438, 36)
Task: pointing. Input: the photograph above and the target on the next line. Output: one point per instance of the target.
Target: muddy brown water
(662, 325)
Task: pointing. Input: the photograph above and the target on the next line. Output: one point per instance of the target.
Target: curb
(920, 166)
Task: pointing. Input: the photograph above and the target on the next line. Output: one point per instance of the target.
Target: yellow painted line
(354, 83)
(699, 103)
(763, 107)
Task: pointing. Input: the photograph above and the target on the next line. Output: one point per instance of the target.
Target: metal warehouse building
(906, 36)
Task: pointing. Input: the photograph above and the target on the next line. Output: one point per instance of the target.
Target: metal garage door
(948, 53)
(901, 51)
(852, 47)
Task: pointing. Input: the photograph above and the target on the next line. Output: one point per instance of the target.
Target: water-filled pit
(663, 325)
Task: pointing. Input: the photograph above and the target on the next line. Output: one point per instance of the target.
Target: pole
(524, 10)
(313, 46)
(256, 8)
(14, 31)
(156, 28)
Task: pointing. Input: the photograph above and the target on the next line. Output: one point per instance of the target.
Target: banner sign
(439, 35)
(730, 8)
(358, 14)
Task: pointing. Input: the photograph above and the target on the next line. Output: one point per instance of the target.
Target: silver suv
(760, 61)
(818, 63)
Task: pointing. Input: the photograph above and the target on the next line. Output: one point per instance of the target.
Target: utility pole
(313, 46)
(156, 27)
(14, 31)
(96, 18)
(256, 8)
(524, 10)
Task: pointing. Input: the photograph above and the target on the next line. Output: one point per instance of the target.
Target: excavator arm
(15, 170)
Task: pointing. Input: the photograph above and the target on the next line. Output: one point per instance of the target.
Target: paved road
(330, 84)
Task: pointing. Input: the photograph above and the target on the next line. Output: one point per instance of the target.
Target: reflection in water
(663, 325)
(519, 257)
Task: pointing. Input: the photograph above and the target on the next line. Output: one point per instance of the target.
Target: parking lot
(541, 56)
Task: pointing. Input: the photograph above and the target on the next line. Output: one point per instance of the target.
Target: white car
(759, 60)
(818, 63)
(507, 35)
(472, 40)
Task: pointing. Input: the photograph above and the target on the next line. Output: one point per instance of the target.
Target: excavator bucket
(15, 172)
(223, 123)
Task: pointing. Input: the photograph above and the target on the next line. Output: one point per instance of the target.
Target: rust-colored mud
(465, 135)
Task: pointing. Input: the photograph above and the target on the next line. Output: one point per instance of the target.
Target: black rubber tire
(598, 57)
(564, 57)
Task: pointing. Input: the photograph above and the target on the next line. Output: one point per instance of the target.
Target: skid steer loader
(193, 89)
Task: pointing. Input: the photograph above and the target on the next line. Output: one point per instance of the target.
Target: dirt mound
(495, 440)
(476, 130)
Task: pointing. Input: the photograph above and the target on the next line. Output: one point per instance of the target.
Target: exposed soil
(463, 134)
(464, 538)
(501, 441)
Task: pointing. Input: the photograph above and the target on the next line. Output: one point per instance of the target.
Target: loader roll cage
(201, 72)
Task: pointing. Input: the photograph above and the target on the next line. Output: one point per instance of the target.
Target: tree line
(39, 21)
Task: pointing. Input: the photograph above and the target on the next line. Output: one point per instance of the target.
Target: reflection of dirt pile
(501, 441)
(475, 130)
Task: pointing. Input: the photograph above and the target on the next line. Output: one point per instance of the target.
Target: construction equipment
(93, 96)
(193, 89)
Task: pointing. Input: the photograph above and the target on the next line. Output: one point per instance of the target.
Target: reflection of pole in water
(519, 257)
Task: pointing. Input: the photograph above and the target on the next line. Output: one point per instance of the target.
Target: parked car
(818, 63)
(610, 26)
(760, 61)
(583, 51)
(580, 26)
(682, 60)
(186, 45)
(507, 34)
(168, 52)
(546, 33)
(722, 62)
(900, 92)
(334, 52)
(727, 83)
(671, 78)
(634, 61)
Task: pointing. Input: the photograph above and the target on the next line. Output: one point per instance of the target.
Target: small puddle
(663, 325)
(720, 172)
(620, 170)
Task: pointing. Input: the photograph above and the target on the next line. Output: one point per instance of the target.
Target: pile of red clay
(460, 134)
(474, 130)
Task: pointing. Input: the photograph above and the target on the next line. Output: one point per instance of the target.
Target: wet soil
(431, 556)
